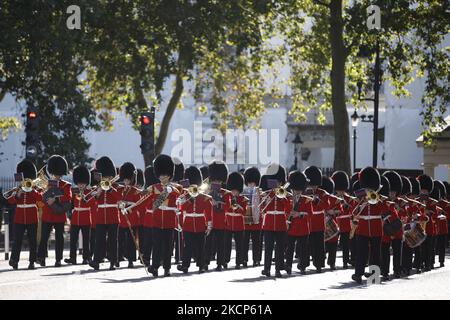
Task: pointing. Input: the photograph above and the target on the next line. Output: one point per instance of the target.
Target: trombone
(106, 183)
(26, 185)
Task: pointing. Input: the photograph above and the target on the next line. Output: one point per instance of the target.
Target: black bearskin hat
(150, 178)
(435, 192)
(441, 187)
(205, 172)
(385, 186)
(235, 182)
(27, 168)
(277, 172)
(447, 188)
(140, 179)
(57, 165)
(369, 178)
(415, 186)
(314, 175)
(163, 166)
(395, 181)
(297, 180)
(105, 166)
(81, 174)
(341, 181)
(406, 186)
(425, 182)
(178, 171)
(263, 184)
(194, 175)
(128, 171)
(218, 171)
(327, 184)
(252, 174)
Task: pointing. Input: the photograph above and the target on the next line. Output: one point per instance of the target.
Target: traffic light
(148, 133)
(31, 132)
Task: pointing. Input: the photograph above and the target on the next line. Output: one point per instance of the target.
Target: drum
(414, 235)
(252, 215)
(331, 229)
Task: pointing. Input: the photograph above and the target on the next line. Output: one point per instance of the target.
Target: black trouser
(277, 239)
(194, 245)
(177, 244)
(440, 247)
(362, 252)
(300, 245)
(106, 236)
(85, 232)
(216, 237)
(345, 246)
(385, 258)
(397, 255)
(417, 263)
(428, 252)
(162, 246)
(407, 253)
(147, 244)
(331, 248)
(448, 235)
(317, 248)
(255, 235)
(92, 242)
(238, 245)
(46, 228)
(19, 231)
(353, 250)
(127, 247)
(140, 237)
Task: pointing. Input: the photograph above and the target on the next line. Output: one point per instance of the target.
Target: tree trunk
(340, 114)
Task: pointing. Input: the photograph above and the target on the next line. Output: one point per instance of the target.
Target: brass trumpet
(26, 185)
(281, 192)
(106, 183)
(193, 191)
(373, 197)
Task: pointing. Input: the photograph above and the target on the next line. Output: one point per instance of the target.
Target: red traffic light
(32, 115)
(145, 120)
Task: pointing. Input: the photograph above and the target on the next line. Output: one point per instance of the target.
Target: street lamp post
(297, 141)
(355, 122)
(363, 53)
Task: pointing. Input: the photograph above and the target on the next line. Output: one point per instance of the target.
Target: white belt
(194, 215)
(107, 205)
(318, 212)
(369, 217)
(300, 213)
(81, 209)
(167, 208)
(25, 206)
(148, 211)
(346, 216)
(232, 214)
(275, 212)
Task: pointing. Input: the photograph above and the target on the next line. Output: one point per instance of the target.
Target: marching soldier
(321, 204)
(129, 223)
(252, 178)
(177, 177)
(441, 223)
(430, 214)
(415, 213)
(81, 214)
(234, 219)
(276, 209)
(196, 211)
(165, 210)
(341, 186)
(218, 174)
(140, 183)
(55, 208)
(332, 213)
(107, 219)
(298, 229)
(94, 185)
(385, 258)
(26, 198)
(147, 210)
(369, 229)
(447, 210)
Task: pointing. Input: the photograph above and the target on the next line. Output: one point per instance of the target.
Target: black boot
(237, 267)
(357, 278)
(70, 261)
(288, 270)
(94, 265)
(130, 265)
(153, 271)
(111, 266)
(41, 261)
(85, 261)
(244, 265)
(14, 264)
(31, 266)
(183, 269)
(265, 273)
(166, 272)
(219, 268)
(58, 263)
(278, 274)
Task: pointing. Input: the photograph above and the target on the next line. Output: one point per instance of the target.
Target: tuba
(41, 182)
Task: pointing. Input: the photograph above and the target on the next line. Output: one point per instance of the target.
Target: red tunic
(47, 213)
(369, 216)
(27, 207)
(390, 215)
(234, 218)
(107, 209)
(299, 225)
(130, 196)
(344, 219)
(165, 217)
(82, 210)
(196, 213)
(276, 213)
(218, 217)
(323, 203)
